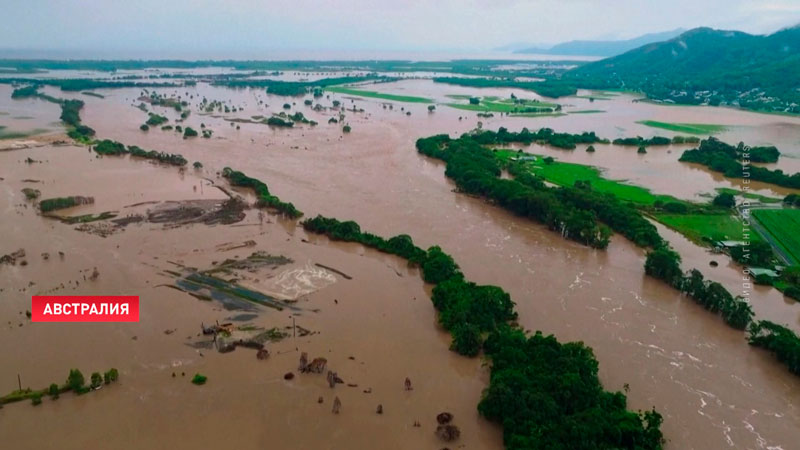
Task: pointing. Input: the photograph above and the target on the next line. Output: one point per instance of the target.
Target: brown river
(377, 327)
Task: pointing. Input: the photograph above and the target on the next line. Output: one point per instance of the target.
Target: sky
(252, 28)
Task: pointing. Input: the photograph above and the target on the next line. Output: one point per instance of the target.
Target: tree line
(265, 199)
(575, 212)
(734, 162)
(549, 88)
(297, 88)
(113, 148)
(70, 111)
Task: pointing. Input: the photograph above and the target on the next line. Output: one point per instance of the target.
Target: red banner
(85, 308)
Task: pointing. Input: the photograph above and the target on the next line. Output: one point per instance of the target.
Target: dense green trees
(725, 200)
(664, 264)
(758, 253)
(573, 212)
(566, 141)
(547, 396)
(278, 122)
(76, 382)
(114, 148)
(52, 204)
(792, 200)
(265, 199)
(733, 162)
(779, 340)
(155, 120)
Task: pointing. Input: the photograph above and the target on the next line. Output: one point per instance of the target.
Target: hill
(602, 48)
(706, 66)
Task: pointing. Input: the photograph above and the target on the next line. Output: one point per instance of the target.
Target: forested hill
(706, 66)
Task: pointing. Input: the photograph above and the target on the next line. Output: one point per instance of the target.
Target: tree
(466, 340)
(590, 149)
(474, 101)
(725, 200)
(97, 380)
(53, 391)
(189, 132)
(75, 381)
(111, 375)
(431, 108)
(664, 264)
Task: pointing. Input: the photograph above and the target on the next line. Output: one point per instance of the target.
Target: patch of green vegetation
(381, 95)
(199, 379)
(691, 128)
(513, 106)
(31, 194)
(155, 120)
(52, 204)
(86, 218)
(735, 162)
(546, 88)
(783, 226)
(113, 148)
(567, 174)
(749, 195)
(265, 198)
(75, 382)
(587, 111)
(706, 228)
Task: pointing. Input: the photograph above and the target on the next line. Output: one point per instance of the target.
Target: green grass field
(691, 128)
(566, 174)
(783, 225)
(697, 227)
(381, 95)
(701, 227)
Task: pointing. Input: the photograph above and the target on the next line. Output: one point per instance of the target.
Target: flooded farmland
(367, 313)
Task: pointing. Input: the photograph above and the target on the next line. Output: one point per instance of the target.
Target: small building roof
(732, 243)
(756, 271)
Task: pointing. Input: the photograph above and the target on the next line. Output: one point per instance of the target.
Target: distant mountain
(706, 66)
(602, 48)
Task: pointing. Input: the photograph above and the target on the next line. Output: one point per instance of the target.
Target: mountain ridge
(601, 47)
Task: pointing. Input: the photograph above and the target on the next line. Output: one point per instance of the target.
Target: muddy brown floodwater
(378, 327)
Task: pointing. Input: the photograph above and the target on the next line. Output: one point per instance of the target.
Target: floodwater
(713, 389)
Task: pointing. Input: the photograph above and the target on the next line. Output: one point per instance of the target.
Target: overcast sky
(206, 27)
